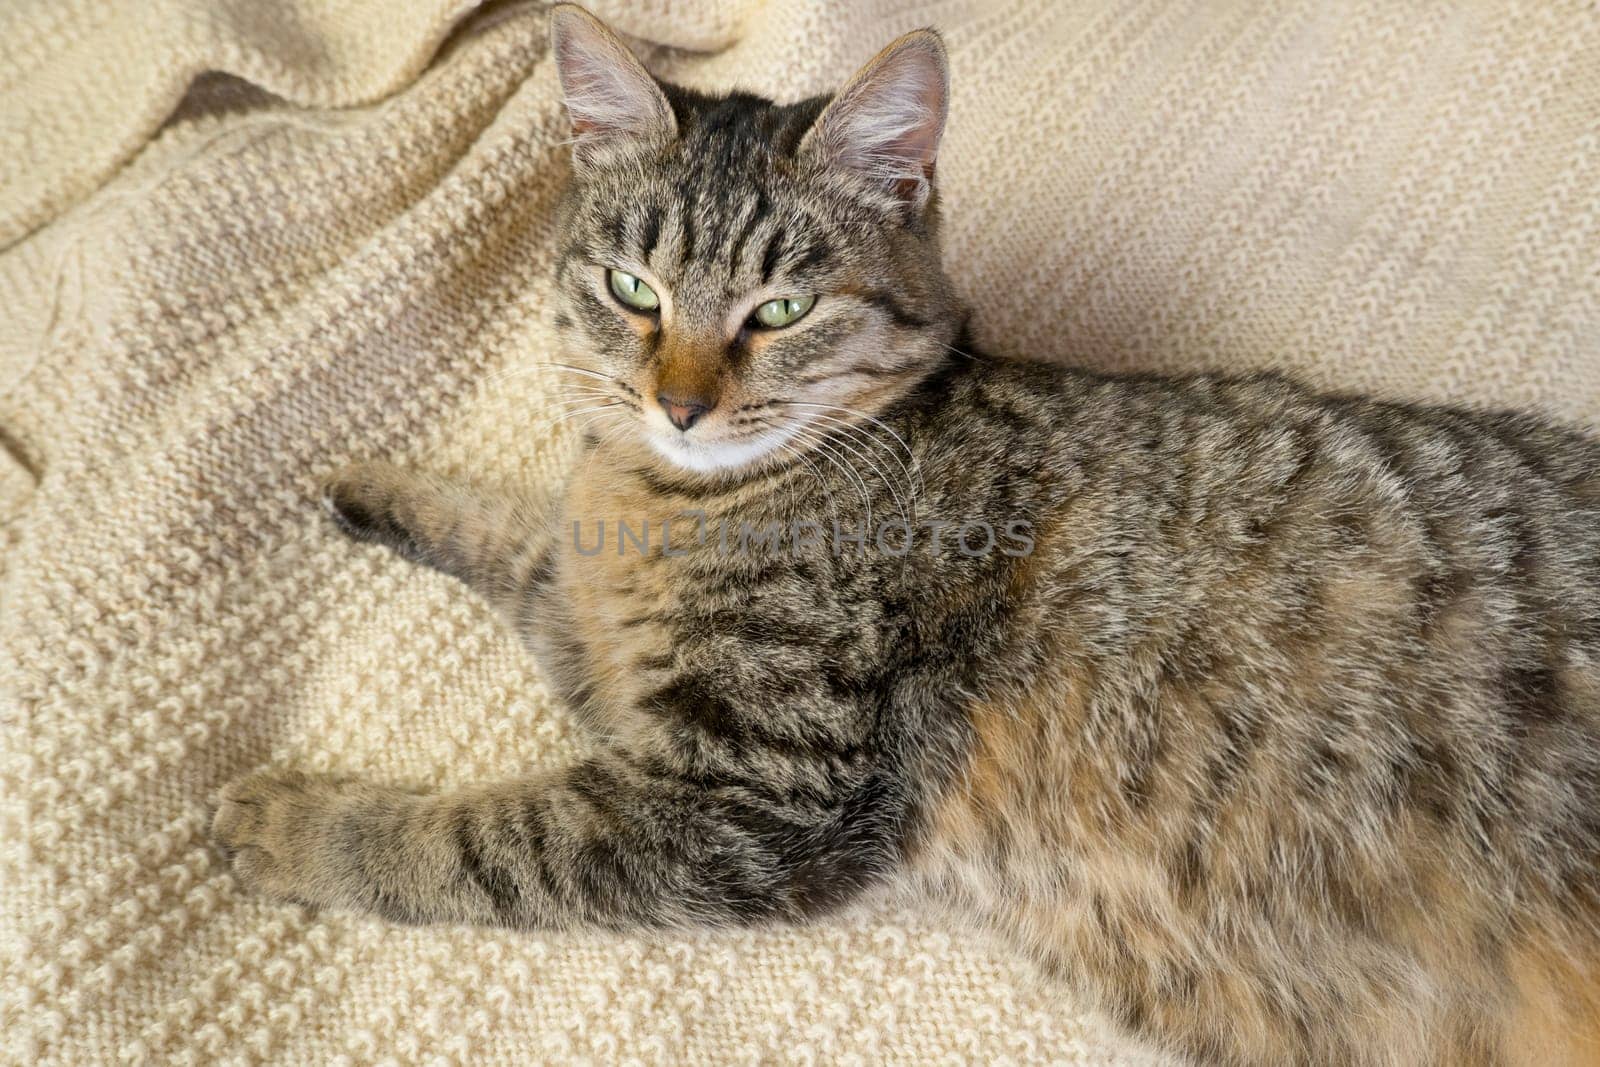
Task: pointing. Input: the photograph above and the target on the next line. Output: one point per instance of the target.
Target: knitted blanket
(243, 243)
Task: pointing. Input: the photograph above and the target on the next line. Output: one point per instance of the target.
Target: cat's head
(736, 276)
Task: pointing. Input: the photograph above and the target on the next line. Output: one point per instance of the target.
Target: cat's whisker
(908, 515)
(913, 472)
(904, 495)
(818, 440)
(623, 424)
(909, 466)
(585, 425)
(579, 418)
(601, 442)
(535, 368)
(577, 370)
(588, 410)
(561, 409)
(957, 351)
(862, 415)
(593, 396)
(788, 449)
(501, 376)
(866, 458)
(834, 461)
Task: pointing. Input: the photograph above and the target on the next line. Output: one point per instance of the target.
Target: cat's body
(1270, 721)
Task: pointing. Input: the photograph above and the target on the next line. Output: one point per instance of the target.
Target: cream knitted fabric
(337, 249)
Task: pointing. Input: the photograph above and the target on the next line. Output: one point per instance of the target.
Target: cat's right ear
(885, 124)
(611, 98)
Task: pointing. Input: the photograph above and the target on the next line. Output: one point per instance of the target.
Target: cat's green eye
(784, 311)
(632, 292)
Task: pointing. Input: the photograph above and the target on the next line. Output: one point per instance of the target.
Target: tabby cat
(1269, 721)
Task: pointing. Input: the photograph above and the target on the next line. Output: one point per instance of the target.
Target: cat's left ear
(611, 98)
(886, 122)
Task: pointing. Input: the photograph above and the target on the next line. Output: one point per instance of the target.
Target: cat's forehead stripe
(755, 215)
(686, 224)
(652, 232)
(670, 232)
(769, 258)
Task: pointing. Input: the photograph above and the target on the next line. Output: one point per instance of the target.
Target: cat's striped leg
(611, 842)
(502, 547)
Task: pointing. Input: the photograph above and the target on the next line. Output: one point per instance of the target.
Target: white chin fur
(703, 457)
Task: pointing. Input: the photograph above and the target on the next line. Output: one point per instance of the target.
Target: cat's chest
(621, 592)
(742, 592)
(638, 573)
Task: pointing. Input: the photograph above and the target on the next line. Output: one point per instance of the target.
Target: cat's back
(1319, 681)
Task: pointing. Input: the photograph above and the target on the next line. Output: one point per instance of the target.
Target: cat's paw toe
(361, 500)
(346, 509)
(266, 824)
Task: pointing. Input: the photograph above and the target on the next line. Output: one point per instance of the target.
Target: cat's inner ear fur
(610, 97)
(885, 124)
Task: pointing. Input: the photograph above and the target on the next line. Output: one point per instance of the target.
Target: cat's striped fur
(1282, 744)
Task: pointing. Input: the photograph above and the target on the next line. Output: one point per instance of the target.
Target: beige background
(337, 249)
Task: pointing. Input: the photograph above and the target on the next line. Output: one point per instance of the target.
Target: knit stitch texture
(244, 243)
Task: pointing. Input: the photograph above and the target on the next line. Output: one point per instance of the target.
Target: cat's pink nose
(682, 412)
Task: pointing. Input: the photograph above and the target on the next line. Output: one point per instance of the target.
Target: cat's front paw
(277, 826)
(363, 501)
